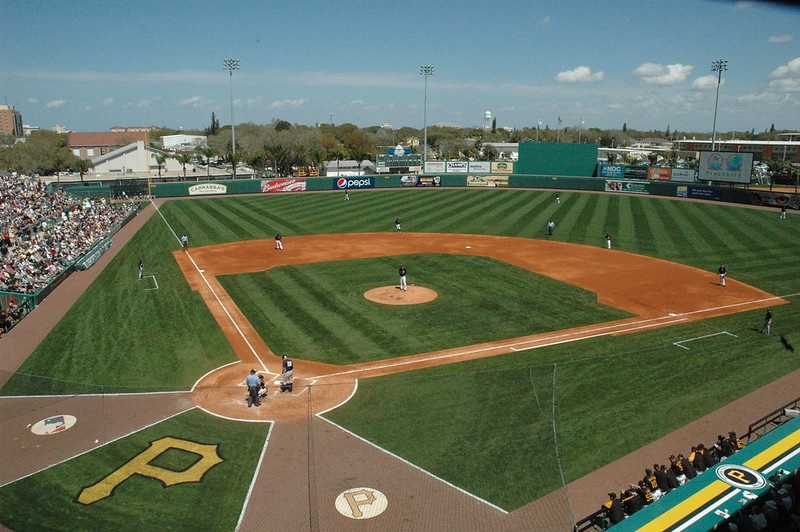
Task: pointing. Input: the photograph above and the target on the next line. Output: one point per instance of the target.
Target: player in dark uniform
(402, 272)
(397, 228)
(278, 241)
(288, 374)
(141, 268)
(722, 271)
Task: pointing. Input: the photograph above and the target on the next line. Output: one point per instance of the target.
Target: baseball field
(540, 359)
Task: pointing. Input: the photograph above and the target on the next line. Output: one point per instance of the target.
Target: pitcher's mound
(392, 295)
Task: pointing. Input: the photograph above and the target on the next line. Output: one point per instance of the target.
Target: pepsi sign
(354, 182)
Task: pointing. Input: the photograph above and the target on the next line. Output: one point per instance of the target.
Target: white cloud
(195, 102)
(789, 70)
(707, 82)
(278, 104)
(108, 102)
(785, 85)
(581, 74)
(33, 101)
(56, 104)
(544, 21)
(657, 74)
(781, 38)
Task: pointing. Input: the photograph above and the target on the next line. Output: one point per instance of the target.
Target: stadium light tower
(425, 71)
(717, 66)
(230, 65)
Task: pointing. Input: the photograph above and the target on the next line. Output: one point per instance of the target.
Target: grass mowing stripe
(324, 316)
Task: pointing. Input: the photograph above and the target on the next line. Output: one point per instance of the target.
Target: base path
(657, 292)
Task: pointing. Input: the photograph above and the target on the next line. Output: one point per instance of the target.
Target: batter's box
(150, 283)
(680, 344)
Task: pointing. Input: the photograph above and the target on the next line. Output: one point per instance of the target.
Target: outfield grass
(613, 394)
(143, 503)
(318, 311)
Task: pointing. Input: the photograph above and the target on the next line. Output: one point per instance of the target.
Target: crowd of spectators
(663, 478)
(43, 233)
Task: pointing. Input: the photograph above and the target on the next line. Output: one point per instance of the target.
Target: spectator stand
(727, 491)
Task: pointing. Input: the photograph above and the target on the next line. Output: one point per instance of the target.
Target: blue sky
(646, 63)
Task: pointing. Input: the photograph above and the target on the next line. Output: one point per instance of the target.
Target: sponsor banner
(480, 167)
(659, 173)
(408, 181)
(457, 167)
(681, 191)
(487, 180)
(435, 167)
(283, 185)
(636, 172)
(429, 181)
(776, 199)
(354, 182)
(685, 175)
(203, 189)
(611, 170)
(727, 167)
(710, 193)
(93, 255)
(629, 187)
(502, 167)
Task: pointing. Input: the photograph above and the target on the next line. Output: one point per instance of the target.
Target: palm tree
(359, 154)
(82, 166)
(161, 158)
(183, 158)
(207, 152)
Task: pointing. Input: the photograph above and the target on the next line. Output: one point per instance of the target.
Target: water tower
(487, 120)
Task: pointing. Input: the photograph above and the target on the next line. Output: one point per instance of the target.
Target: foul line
(563, 338)
(219, 301)
(678, 344)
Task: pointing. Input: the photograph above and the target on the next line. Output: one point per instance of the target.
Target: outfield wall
(646, 187)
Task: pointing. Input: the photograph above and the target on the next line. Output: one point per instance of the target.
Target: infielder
(767, 322)
(402, 271)
(608, 240)
(185, 241)
(397, 228)
(278, 241)
(722, 271)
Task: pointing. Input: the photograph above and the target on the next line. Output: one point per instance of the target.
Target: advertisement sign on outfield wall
(487, 180)
(611, 170)
(435, 167)
(283, 185)
(457, 167)
(353, 182)
(659, 173)
(408, 181)
(636, 172)
(709, 193)
(202, 189)
(502, 167)
(429, 181)
(480, 167)
(684, 175)
(725, 167)
(629, 187)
